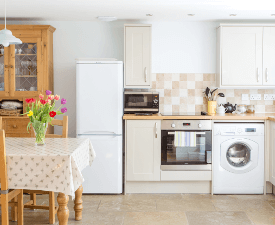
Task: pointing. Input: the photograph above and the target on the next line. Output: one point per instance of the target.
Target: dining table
(55, 166)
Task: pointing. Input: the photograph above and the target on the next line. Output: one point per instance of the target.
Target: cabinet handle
(145, 74)
(14, 126)
(266, 73)
(258, 75)
(156, 130)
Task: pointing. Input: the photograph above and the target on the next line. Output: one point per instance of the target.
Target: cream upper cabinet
(269, 56)
(240, 56)
(272, 152)
(137, 56)
(143, 150)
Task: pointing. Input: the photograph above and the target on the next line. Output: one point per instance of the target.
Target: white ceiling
(174, 10)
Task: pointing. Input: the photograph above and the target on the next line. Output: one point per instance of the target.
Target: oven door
(192, 151)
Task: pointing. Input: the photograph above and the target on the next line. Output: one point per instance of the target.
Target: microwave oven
(141, 102)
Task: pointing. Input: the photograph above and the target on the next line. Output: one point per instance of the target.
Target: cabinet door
(241, 56)
(143, 150)
(26, 75)
(138, 56)
(272, 153)
(269, 56)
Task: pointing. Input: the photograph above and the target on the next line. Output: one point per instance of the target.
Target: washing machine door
(239, 155)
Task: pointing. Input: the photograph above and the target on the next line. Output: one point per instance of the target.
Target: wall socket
(255, 97)
(269, 96)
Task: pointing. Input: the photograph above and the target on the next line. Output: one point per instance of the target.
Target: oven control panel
(186, 125)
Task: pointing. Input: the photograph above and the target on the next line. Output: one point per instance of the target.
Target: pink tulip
(41, 96)
(57, 97)
(50, 97)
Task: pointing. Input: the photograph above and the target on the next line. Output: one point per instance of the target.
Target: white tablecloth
(54, 167)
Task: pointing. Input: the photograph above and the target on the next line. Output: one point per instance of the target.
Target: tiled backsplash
(184, 93)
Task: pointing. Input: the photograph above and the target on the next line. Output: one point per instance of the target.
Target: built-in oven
(186, 145)
(141, 102)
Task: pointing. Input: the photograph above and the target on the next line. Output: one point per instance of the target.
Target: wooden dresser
(26, 70)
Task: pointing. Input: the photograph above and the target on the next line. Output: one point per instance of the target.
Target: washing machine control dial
(239, 130)
(173, 125)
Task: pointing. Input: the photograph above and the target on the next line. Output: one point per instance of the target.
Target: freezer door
(105, 174)
(99, 103)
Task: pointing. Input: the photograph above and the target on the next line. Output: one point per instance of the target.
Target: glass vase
(40, 130)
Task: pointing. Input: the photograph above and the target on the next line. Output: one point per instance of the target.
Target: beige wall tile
(161, 100)
(167, 108)
(183, 100)
(175, 76)
(199, 92)
(160, 84)
(190, 77)
(183, 92)
(168, 77)
(191, 100)
(175, 100)
(167, 92)
(154, 84)
(269, 108)
(175, 108)
(191, 92)
(198, 77)
(168, 84)
(198, 84)
(183, 77)
(160, 77)
(167, 100)
(206, 77)
(183, 84)
(191, 108)
(183, 108)
(190, 84)
(175, 84)
(198, 108)
(175, 92)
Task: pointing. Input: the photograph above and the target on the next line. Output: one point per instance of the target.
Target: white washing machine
(238, 158)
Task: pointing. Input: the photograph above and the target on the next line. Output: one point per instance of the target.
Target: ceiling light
(6, 37)
(232, 14)
(191, 14)
(106, 18)
(149, 14)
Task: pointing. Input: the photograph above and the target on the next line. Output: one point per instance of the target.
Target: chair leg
(51, 208)
(20, 208)
(5, 209)
(33, 197)
(14, 209)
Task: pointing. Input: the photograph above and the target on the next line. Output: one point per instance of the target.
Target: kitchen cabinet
(245, 56)
(272, 152)
(137, 56)
(143, 150)
(26, 69)
(269, 56)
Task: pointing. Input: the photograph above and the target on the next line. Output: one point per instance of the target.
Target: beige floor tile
(218, 218)
(155, 218)
(140, 205)
(205, 196)
(248, 197)
(154, 196)
(241, 205)
(185, 205)
(261, 217)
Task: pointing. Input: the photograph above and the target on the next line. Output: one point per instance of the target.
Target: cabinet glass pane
(26, 67)
(2, 68)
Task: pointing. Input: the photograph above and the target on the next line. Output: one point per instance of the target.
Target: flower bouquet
(41, 112)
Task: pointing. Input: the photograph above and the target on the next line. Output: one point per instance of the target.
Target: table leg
(63, 211)
(78, 203)
(14, 209)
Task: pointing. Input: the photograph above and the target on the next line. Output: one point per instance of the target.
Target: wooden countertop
(226, 116)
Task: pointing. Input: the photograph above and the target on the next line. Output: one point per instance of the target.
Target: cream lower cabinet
(272, 152)
(143, 150)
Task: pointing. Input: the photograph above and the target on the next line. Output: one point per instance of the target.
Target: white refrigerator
(99, 111)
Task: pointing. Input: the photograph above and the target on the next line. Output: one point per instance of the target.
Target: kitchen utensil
(221, 110)
(229, 107)
(214, 97)
(19, 51)
(207, 90)
(221, 94)
(241, 108)
(250, 109)
(212, 105)
(33, 89)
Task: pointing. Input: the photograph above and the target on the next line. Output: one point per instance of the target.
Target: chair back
(64, 124)
(3, 165)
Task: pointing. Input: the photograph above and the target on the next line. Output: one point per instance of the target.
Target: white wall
(178, 47)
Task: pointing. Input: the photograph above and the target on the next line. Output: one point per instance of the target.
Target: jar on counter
(241, 108)
(250, 109)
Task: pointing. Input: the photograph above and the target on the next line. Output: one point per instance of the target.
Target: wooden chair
(32, 203)
(16, 196)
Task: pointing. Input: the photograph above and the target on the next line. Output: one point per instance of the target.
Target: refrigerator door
(99, 93)
(105, 174)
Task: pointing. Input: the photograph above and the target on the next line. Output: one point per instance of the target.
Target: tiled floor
(166, 209)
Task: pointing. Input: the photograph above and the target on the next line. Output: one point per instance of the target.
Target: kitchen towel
(185, 139)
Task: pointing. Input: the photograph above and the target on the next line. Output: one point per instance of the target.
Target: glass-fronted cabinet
(25, 68)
